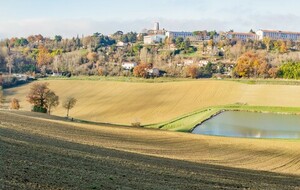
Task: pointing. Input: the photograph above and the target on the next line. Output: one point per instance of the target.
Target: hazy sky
(72, 17)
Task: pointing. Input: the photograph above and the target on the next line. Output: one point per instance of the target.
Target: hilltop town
(155, 52)
(158, 36)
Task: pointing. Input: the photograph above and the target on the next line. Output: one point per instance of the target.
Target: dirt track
(52, 154)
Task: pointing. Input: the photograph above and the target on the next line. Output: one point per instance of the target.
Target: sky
(20, 18)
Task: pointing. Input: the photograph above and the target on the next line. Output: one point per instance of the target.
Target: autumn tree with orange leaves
(141, 70)
(92, 57)
(44, 58)
(252, 64)
(192, 71)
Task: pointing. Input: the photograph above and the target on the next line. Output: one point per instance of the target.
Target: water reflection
(252, 125)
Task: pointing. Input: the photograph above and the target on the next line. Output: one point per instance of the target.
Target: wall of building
(152, 39)
(171, 34)
(278, 35)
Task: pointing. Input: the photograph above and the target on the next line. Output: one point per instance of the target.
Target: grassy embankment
(187, 122)
(172, 104)
(168, 79)
(119, 79)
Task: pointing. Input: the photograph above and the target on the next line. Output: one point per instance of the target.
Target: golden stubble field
(44, 152)
(148, 103)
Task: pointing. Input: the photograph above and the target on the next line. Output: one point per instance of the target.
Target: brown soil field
(45, 152)
(149, 103)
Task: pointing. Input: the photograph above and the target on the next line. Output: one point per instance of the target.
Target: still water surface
(251, 125)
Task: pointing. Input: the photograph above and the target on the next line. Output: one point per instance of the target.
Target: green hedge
(39, 109)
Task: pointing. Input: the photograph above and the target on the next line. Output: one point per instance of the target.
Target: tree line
(99, 54)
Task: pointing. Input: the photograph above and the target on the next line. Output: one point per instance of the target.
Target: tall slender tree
(69, 103)
(52, 101)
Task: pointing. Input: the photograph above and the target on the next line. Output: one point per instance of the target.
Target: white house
(129, 65)
(153, 39)
(278, 35)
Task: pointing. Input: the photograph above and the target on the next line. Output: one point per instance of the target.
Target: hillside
(148, 103)
(42, 152)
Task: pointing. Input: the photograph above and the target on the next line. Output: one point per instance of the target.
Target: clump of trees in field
(42, 98)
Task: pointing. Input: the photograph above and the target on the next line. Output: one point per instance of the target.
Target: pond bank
(188, 122)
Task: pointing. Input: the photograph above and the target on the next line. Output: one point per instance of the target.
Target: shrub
(274, 72)
(192, 71)
(141, 70)
(39, 109)
(290, 70)
(136, 124)
(14, 104)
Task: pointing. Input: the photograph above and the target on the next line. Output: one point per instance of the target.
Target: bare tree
(237, 50)
(69, 103)
(10, 62)
(144, 55)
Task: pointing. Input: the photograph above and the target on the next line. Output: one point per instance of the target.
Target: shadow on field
(36, 115)
(31, 161)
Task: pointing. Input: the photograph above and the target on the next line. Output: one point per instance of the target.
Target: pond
(251, 125)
